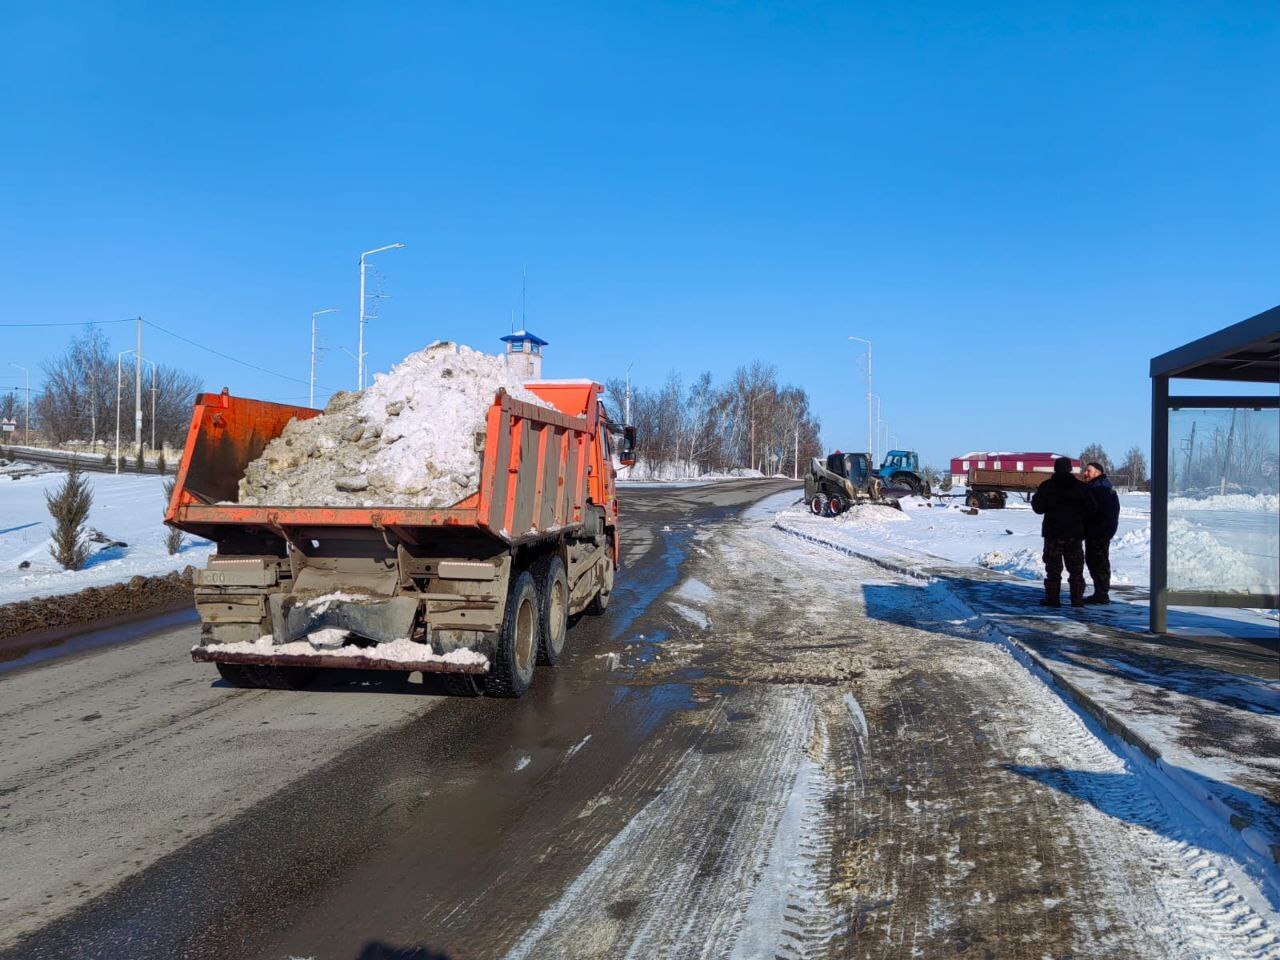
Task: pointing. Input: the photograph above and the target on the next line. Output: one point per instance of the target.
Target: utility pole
(314, 314)
(360, 354)
(796, 464)
(870, 436)
(626, 416)
(137, 395)
(26, 433)
(153, 408)
(1226, 460)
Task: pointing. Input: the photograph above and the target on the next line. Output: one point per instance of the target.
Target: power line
(77, 323)
(227, 356)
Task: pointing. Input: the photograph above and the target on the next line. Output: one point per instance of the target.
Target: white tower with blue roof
(524, 354)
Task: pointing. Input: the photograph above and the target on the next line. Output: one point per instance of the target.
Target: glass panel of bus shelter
(1224, 500)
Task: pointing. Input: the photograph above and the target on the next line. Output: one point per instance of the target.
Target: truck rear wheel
(553, 609)
(973, 500)
(516, 651)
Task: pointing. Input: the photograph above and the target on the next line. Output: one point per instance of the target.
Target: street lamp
(360, 354)
(626, 416)
(876, 457)
(26, 431)
(870, 436)
(314, 314)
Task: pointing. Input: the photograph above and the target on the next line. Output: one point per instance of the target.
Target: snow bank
(413, 438)
(127, 507)
(1026, 563)
(331, 643)
(1196, 558)
(1265, 502)
(684, 470)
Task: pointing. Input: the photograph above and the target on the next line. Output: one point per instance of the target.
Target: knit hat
(1097, 466)
(1062, 465)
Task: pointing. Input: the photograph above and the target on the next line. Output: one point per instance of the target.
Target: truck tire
(553, 608)
(516, 651)
(600, 602)
(235, 674)
(973, 500)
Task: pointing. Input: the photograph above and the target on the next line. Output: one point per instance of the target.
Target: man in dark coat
(1099, 530)
(1065, 503)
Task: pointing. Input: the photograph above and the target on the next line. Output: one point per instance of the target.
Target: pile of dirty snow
(414, 438)
(1027, 563)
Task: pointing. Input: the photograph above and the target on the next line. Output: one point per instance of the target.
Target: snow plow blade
(204, 655)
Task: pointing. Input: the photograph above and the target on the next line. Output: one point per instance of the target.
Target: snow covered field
(1208, 546)
(126, 507)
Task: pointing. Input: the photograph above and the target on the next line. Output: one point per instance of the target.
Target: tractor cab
(855, 467)
(896, 460)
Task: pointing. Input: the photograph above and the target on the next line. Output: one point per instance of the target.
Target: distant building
(524, 354)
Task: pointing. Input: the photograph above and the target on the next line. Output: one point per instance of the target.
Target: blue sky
(1019, 203)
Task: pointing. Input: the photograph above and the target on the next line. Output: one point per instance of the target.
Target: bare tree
(79, 399)
(1134, 468)
(1095, 452)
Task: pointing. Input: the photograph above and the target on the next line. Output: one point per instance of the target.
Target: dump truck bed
(534, 477)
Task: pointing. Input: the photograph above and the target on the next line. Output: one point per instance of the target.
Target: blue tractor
(901, 469)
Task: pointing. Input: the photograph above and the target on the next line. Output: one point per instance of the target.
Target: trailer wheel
(516, 652)
(235, 674)
(553, 608)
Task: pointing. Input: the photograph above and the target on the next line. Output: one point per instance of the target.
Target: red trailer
(988, 477)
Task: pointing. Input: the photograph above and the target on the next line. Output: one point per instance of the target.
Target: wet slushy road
(763, 749)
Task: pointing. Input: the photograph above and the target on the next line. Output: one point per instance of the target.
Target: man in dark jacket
(1065, 503)
(1099, 529)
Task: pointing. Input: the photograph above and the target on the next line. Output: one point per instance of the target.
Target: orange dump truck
(478, 591)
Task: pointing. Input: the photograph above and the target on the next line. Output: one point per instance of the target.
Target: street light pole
(870, 438)
(626, 416)
(26, 431)
(360, 354)
(314, 314)
(119, 386)
(137, 395)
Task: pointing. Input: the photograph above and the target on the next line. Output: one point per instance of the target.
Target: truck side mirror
(627, 448)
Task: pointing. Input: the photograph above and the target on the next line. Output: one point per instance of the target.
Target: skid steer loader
(845, 480)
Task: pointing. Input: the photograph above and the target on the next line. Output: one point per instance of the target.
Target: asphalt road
(761, 750)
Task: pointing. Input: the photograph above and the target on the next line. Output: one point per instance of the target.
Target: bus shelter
(1215, 458)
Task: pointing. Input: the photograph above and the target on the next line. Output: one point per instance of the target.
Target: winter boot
(1077, 593)
(1101, 591)
(1052, 593)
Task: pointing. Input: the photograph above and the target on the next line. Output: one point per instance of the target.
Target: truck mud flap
(377, 620)
(333, 662)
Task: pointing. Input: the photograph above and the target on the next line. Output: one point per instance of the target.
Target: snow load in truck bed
(415, 438)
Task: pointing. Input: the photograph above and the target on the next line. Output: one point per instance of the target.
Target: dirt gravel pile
(413, 438)
(137, 596)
